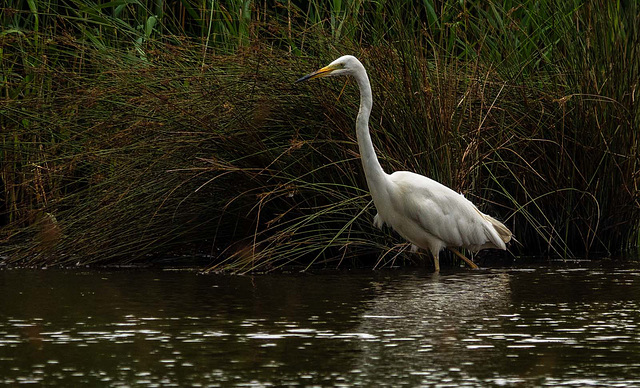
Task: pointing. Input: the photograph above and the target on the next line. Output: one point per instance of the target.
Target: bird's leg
(460, 255)
(436, 259)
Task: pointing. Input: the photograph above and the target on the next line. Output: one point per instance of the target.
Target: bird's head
(345, 65)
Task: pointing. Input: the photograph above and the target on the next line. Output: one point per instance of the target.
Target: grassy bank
(132, 128)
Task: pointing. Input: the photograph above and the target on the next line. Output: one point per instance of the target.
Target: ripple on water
(502, 327)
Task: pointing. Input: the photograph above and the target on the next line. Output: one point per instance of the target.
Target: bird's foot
(378, 222)
(414, 248)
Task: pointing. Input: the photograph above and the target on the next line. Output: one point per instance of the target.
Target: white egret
(428, 214)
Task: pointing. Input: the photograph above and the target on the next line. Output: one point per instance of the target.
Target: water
(501, 327)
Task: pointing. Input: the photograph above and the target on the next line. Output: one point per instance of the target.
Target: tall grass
(137, 128)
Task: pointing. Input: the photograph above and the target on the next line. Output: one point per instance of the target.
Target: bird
(426, 213)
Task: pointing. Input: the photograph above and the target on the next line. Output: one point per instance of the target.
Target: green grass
(132, 129)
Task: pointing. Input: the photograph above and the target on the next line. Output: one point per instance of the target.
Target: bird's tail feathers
(498, 234)
(503, 232)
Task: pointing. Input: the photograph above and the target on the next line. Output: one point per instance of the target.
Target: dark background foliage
(132, 129)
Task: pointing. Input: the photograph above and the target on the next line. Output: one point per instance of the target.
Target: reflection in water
(429, 326)
(570, 327)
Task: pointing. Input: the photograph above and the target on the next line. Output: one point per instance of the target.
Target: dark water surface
(505, 327)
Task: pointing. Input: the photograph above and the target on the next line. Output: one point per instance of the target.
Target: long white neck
(372, 169)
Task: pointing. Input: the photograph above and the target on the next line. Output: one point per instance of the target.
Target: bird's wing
(442, 212)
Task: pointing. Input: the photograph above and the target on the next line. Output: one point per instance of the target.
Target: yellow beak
(325, 71)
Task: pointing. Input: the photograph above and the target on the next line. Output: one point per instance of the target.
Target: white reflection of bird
(428, 214)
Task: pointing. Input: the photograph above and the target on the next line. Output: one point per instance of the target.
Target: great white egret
(428, 214)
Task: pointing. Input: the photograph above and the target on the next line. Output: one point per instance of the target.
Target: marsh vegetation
(136, 127)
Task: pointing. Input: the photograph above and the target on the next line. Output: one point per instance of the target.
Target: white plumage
(428, 214)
